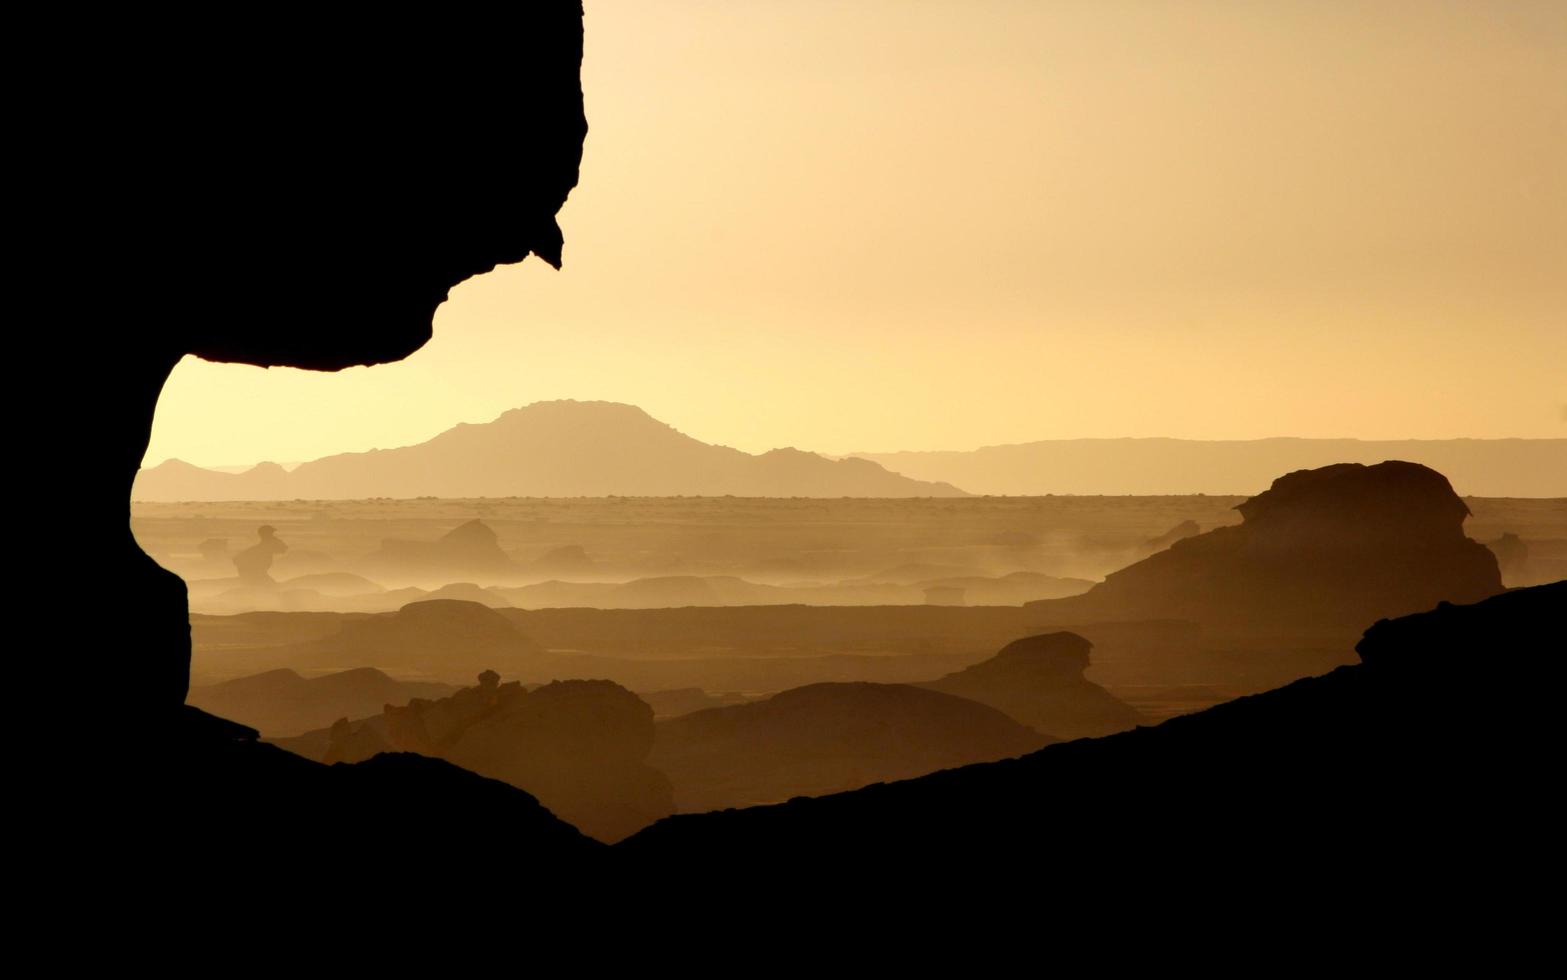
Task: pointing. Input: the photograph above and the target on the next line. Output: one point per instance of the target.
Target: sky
(874, 226)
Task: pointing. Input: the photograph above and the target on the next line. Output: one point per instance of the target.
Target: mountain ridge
(561, 448)
(1513, 467)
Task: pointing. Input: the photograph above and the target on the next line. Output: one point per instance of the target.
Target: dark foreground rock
(1424, 771)
(580, 747)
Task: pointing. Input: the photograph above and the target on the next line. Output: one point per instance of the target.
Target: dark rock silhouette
(580, 747)
(1039, 681)
(255, 562)
(825, 738)
(1284, 795)
(284, 236)
(553, 449)
(281, 702)
(346, 742)
(1335, 549)
(290, 238)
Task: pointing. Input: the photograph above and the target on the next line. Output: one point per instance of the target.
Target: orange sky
(920, 225)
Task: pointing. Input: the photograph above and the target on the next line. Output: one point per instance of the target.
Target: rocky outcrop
(1512, 558)
(471, 548)
(1333, 548)
(1039, 682)
(580, 747)
(447, 637)
(825, 738)
(287, 236)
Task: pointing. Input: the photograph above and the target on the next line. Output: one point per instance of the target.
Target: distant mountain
(548, 449)
(1476, 467)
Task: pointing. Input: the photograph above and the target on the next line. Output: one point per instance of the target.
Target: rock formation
(1039, 682)
(1332, 548)
(1422, 772)
(254, 564)
(1512, 557)
(451, 637)
(471, 548)
(285, 235)
(580, 747)
(825, 738)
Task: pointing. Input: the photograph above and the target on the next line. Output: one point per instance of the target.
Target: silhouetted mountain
(824, 738)
(280, 702)
(264, 481)
(1039, 681)
(548, 449)
(1477, 467)
(580, 747)
(1333, 548)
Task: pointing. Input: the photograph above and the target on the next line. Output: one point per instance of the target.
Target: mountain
(548, 449)
(1477, 467)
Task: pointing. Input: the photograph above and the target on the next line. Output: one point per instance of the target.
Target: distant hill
(548, 449)
(281, 702)
(1039, 681)
(827, 738)
(1476, 467)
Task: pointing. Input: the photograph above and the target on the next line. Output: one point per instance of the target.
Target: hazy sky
(890, 225)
